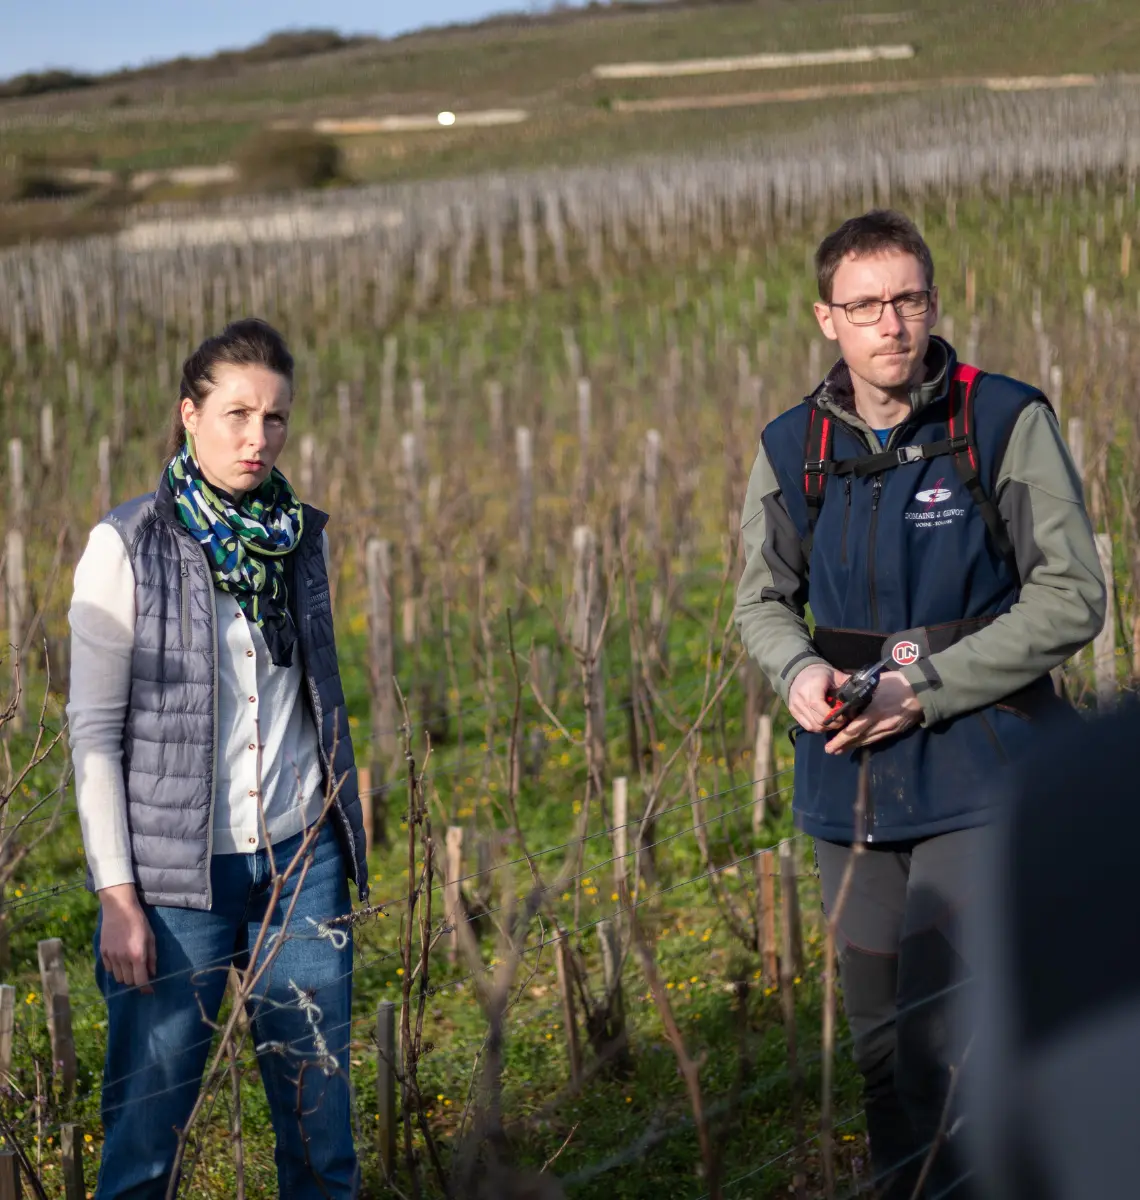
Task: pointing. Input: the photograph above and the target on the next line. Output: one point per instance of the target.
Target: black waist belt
(850, 649)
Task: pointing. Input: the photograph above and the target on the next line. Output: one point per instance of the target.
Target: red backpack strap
(817, 454)
(964, 453)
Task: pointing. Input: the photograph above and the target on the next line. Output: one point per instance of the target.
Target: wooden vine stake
(16, 568)
(589, 606)
(495, 414)
(57, 1002)
(1076, 437)
(17, 586)
(1057, 389)
(409, 449)
(18, 499)
(119, 403)
(419, 419)
(381, 656)
(386, 1085)
(585, 477)
(621, 831)
(47, 435)
(791, 968)
(103, 454)
(71, 1148)
(652, 470)
(524, 457)
(7, 1031)
(766, 916)
(308, 467)
(9, 1175)
(367, 810)
(610, 940)
(452, 898)
(761, 771)
(569, 1016)
(388, 385)
(792, 931)
(1104, 644)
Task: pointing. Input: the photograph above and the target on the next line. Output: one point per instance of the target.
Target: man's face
(889, 353)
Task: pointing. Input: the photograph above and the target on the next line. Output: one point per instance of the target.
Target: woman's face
(241, 426)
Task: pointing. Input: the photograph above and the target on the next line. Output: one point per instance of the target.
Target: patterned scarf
(245, 542)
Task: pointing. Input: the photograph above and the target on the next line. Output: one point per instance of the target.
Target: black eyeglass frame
(926, 293)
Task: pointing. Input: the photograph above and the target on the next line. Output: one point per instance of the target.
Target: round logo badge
(905, 653)
(933, 495)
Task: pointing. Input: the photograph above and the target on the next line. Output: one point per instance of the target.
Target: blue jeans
(300, 1013)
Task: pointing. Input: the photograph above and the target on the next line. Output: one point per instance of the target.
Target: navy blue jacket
(892, 552)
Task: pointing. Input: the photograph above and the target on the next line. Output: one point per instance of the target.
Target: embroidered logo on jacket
(931, 516)
(935, 495)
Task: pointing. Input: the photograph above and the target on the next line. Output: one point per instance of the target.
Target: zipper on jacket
(876, 491)
(869, 815)
(211, 621)
(184, 605)
(846, 517)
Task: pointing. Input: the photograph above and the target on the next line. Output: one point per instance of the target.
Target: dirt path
(1001, 83)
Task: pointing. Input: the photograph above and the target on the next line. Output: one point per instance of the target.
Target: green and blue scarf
(245, 542)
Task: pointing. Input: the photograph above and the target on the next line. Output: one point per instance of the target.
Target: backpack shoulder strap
(963, 390)
(817, 455)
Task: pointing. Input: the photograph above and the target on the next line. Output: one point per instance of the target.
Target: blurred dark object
(1052, 1092)
(289, 160)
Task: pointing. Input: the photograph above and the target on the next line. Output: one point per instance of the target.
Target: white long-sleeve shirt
(254, 697)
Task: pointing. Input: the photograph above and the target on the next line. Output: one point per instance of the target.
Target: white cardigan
(254, 696)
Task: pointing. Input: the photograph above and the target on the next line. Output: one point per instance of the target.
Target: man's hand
(894, 709)
(807, 698)
(126, 941)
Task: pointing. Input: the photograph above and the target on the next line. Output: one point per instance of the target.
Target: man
(931, 516)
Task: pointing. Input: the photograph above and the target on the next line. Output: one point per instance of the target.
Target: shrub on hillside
(41, 82)
(295, 43)
(287, 160)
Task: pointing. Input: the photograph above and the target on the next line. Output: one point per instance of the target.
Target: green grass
(695, 955)
(1024, 245)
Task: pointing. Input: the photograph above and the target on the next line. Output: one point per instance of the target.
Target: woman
(207, 728)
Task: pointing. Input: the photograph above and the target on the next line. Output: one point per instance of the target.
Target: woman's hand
(126, 942)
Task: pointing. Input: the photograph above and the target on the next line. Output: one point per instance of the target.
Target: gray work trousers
(902, 969)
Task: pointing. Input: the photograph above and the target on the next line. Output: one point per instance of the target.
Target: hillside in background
(143, 136)
(533, 361)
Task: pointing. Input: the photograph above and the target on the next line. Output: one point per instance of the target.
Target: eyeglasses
(869, 312)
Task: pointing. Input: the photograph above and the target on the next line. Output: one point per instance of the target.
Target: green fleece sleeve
(772, 594)
(1062, 603)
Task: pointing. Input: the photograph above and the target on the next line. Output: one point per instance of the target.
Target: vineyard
(530, 403)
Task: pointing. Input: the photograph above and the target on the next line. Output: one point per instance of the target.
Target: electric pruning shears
(852, 697)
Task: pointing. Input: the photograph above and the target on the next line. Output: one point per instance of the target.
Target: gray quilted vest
(171, 731)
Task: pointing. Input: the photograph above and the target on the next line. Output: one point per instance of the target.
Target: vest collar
(834, 394)
(315, 522)
(164, 503)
